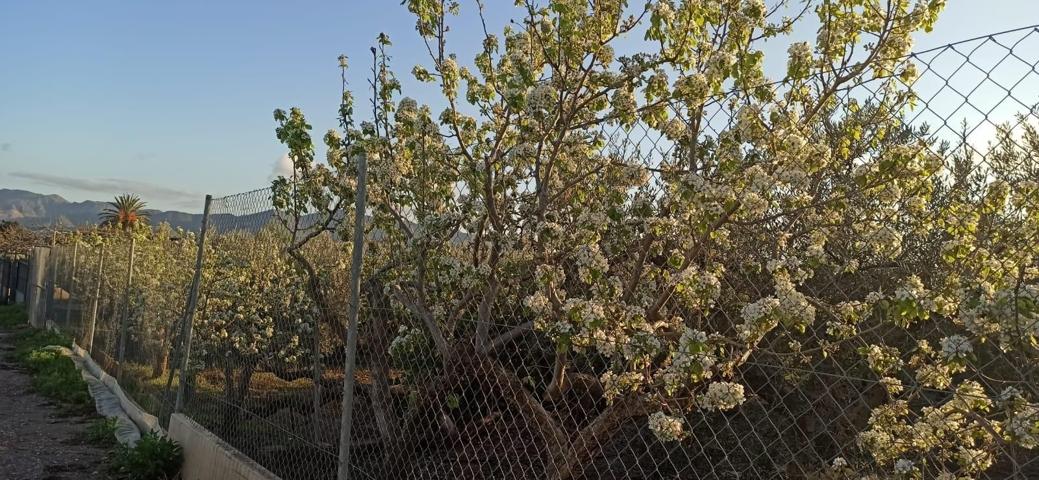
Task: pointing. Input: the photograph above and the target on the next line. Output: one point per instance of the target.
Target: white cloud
(115, 186)
(282, 167)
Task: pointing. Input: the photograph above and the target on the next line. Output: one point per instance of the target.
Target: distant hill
(36, 210)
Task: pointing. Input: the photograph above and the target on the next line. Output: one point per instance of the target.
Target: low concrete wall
(207, 457)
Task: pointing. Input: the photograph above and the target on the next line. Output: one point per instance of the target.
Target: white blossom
(956, 346)
(722, 396)
(666, 428)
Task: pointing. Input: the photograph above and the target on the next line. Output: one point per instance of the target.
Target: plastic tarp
(110, 400)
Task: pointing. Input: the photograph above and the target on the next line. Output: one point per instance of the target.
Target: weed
(53, 374)
(154, 457)
(101, 432)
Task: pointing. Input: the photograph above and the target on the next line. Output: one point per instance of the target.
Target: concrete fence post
(189, 309)
(36, 289)
(360, 206)
(52, 264)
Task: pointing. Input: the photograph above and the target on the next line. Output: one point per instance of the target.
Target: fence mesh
(260, 373)
(797, 313)
(788, 325)
(121, 296)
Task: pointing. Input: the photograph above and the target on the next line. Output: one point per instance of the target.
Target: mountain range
(35, 210)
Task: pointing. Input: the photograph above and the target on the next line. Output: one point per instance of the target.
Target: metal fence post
(125, 326)
(189, 310)
(357, 260)
(72, 283)
(97, 300)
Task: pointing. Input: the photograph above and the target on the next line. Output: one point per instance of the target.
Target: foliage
(811, 219)
(163, 261)
(15, 239)
(154, 457)
(126, 213)
(255, 313)
(102, 432)
(52, 373)
(254, 309)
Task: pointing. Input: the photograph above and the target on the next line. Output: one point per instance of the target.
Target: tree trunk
(325, 315)
(160, 361)
(229, 410)
(317, 375)
(379, 338)
(471, 363)
(567, 454)
(587, 444)
(235, 391)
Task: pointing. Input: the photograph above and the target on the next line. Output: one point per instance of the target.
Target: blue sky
(173, 100)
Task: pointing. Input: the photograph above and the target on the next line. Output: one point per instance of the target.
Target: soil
(41, 440)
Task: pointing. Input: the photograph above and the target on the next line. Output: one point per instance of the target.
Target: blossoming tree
(810, 222)
(254, 313)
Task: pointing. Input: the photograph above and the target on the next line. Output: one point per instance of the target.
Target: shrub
(153, 458)
(102, 432)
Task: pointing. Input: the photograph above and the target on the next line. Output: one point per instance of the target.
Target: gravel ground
(39, 439)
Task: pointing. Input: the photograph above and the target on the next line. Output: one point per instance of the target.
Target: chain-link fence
(120, 295)
(760, 295)
(738, 292)
(259, 364)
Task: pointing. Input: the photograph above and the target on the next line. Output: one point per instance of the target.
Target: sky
(173, 100)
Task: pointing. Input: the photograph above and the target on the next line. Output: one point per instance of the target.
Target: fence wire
(806, 330)
(782, 352)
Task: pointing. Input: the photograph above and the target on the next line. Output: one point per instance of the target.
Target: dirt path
(40, 440)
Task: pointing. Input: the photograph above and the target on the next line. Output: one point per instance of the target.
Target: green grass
(12, 317)
(53, 374)
(101, 432)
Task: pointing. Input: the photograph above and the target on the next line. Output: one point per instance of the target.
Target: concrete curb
(207, 457)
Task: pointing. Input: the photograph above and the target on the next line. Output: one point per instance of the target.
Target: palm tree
(126, 212)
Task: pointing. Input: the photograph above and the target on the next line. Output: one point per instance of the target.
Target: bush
(55, 376)
(153, 458)
(101, 432)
